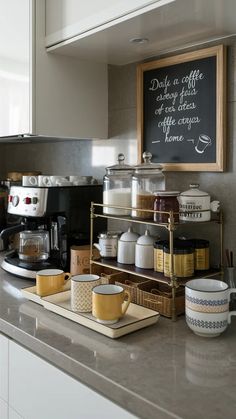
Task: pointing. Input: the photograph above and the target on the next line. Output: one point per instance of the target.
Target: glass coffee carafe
(34, 245)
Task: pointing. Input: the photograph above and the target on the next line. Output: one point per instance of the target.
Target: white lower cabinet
(3, 409)
(12, 414)
(38, 390)
(3, 369)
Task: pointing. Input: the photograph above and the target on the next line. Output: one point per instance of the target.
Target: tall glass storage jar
(117, 187)
(147, 178)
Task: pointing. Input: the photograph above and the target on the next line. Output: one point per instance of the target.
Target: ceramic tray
(30, 294)
(136, 317)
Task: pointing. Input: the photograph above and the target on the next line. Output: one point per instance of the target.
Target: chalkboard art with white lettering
(179, 112)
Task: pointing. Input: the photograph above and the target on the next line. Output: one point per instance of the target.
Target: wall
(91, 157)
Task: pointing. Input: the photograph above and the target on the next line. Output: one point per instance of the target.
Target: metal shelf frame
(171, 226)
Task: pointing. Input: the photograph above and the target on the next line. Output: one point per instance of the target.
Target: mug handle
(67, 281)
(126, 303)
(231, 313)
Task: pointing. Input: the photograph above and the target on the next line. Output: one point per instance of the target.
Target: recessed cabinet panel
(3, 368)
(14, 415)
(39, 390)
(3, 409)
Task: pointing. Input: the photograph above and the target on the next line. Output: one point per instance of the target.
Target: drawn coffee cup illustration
(203, 142)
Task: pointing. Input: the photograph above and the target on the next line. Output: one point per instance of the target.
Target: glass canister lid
(121, 167)
(166, 193)
(148, 165)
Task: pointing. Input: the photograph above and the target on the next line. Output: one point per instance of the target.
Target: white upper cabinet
(69, 18)
(107, 31)
(41, 93)
(14, 67)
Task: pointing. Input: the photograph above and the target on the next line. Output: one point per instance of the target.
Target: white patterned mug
(81, 292)
(207, 306)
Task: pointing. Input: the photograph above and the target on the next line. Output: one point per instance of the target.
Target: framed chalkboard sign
(181, 103)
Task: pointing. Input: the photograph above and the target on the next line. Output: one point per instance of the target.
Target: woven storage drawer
(158, 296)
(130, 283)
(112, 277)
(106, 274)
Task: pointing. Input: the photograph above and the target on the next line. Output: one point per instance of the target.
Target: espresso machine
(49, 220)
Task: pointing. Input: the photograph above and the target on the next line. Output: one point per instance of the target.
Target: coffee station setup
(119, 281)
(57, 219)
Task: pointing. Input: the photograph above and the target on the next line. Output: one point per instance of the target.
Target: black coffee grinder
(63, 212)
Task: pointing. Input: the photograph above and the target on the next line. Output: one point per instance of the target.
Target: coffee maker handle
(11, 230)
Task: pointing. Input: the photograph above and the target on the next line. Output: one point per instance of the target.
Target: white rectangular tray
(30, 294)
(136, 317)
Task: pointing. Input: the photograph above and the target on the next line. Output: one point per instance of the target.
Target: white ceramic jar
(126, 247)
(144, 251)
(196, 205)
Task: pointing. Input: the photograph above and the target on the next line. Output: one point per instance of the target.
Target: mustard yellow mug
(51, 281)
(109, 303)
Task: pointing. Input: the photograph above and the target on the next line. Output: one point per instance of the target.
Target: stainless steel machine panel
(28, 202)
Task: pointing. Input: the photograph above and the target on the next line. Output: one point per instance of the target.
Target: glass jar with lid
(117, 187)
(166, 201)
(147, 178)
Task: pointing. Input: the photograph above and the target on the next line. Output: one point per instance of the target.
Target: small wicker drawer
(158, 297)
(127, 281)
(130, 283)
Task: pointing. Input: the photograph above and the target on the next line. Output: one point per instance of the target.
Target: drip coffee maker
(49, 221)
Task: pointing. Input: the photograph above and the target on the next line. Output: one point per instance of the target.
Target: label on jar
(189, 206)
(183, 265)
(201, 259)
(158, 260)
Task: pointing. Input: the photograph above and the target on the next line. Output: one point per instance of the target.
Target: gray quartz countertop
(163, 371)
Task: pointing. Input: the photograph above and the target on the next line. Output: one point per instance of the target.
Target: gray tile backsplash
(91, 157)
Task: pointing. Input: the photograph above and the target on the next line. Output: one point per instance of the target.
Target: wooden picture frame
(157, 96)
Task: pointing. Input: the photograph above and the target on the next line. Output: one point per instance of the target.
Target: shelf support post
(91, 233)
(173, 282)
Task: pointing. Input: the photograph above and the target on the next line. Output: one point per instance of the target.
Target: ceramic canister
(126, 247)
(195, 205)
(144, 254)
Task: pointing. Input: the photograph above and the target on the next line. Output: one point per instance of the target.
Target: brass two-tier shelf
(173, 282)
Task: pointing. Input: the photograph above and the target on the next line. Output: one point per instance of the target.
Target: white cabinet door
(14, 67)
(4, 368)
(12, 414)
(75, 17)
(3, 409)
(39, 390)
(41, 93)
